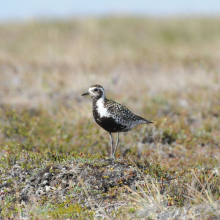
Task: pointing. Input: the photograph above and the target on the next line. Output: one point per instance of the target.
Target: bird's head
(96, 92)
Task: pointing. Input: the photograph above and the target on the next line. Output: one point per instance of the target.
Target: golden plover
(112, 116)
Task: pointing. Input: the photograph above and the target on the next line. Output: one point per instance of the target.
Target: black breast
(107, 123)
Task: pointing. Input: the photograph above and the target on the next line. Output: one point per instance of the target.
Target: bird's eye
(95, 89)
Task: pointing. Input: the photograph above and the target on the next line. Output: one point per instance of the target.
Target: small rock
(64, 184)
(46, 176)
(59, 167)
(84, 174)
(15, 174)
(63, 192)
(17, 167)
(4, 183)
(39, 192)
(33, 178)
(44, 183)
(75, 170)
(47, 188)
(24, 198)
(23, 179)
(73, 195)
(63, 170)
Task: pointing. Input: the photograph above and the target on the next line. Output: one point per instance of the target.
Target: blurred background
(159, 58)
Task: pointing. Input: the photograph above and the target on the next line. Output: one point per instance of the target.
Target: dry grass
(51, 59)
(166, 70)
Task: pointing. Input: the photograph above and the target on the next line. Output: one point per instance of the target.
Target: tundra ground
(54, 158)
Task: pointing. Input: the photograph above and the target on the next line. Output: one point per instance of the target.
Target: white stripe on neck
(102, 111)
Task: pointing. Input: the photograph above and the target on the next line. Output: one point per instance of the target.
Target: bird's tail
(145, 121)
(148, 122)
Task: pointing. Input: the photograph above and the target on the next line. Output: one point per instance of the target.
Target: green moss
(64, 210)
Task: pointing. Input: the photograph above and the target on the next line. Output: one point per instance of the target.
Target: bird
(112, 116)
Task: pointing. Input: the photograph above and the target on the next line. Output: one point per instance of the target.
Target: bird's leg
(116, 145)
(111, 144)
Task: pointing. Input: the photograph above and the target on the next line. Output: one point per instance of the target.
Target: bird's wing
(122, 111)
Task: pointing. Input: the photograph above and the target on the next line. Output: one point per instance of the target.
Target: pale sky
(27, 9)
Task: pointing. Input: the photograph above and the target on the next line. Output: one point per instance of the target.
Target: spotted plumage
(112, 116)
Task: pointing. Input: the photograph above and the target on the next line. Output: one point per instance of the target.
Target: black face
(95, 91)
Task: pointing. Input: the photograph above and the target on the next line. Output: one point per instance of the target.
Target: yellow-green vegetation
(166, 70)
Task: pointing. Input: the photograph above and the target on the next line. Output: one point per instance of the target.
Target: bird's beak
(87, 93)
